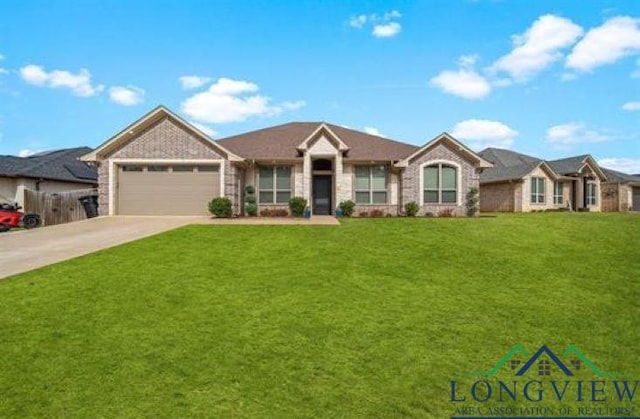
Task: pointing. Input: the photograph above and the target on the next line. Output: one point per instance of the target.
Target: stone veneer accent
(165, 140)
(410, 182)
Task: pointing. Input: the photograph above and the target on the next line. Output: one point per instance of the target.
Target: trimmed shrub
(363, 214)
(376, 213)
(472, 202)
(347, 208)
(297, 204)
(220, 207)
(250, 199)
(412, 208)
(274, 212)
(249, 190)
(251, 209)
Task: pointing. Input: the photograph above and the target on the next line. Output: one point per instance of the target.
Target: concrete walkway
(24, 250)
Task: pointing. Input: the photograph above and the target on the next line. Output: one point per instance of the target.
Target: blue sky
(549, 78)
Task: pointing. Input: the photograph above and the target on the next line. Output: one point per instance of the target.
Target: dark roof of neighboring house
(507, 165)
(280, 143)
(616, 176)
(54, 165)
(568, 165)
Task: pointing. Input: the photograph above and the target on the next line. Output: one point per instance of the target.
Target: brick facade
(411, 179)
(166, 139)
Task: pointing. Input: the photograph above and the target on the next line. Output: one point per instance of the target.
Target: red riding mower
(12, 217)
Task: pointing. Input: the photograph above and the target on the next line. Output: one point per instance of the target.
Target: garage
(166, 189)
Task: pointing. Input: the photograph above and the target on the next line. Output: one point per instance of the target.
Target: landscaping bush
(347, 208)
(412, 208)
(377, 213)
(251, 209)
(250, 206)
(447, 212)
(274, 213)
(363, 214)
(220, 207)
(472, 202)
(297, 204)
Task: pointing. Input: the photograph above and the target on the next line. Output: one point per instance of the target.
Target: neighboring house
(621, 192)
(49, 171)
(161, 165)
(521, 183)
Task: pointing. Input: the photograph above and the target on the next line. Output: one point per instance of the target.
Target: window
(440, 184)
(544, 367)
(592, 194)
(537, 190)
(557, 193)
(157, 168)
(371, 184)
(130, 168)
(182, 168)
(207, 168)
(274, 184)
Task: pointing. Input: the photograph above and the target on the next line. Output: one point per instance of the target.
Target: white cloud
(614, 39)
(229, 100)
(538, 47)
(358, 21)
(26, 152)
(373, 131)
(126, 96)
(464, 82)
(631, 106)
(482, 133)
(621, 164)
(79, 83)
(386, 30)
(564, 136)
(204, 128)
(382, 26)
(193, 82)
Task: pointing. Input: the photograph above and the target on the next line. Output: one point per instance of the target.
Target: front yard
(369, 319)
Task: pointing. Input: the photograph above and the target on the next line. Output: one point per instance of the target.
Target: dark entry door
(322, 194)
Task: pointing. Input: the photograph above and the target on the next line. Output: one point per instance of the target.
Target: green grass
(370, 319)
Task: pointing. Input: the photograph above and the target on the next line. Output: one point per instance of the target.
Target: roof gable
(447, 140)
(322, 130)
(576, 165)
(146, 121)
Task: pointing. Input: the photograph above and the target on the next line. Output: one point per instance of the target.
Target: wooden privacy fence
(57, 207)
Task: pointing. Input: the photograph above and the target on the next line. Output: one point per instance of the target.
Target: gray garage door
(166, 189)
(636, 198)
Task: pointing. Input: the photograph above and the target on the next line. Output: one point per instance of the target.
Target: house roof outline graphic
(573, 350)
(516, 349)
(544, 349)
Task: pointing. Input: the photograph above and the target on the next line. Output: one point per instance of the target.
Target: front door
(322, 194)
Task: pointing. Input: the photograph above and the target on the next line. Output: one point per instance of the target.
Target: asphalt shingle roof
(55, 165)
(280, 142)
(616, 176)
(569, 165)
(507, 165)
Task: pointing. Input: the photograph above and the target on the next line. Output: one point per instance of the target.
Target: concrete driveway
(24, 250)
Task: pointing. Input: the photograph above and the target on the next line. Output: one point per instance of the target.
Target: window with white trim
(371, 184)
(274, 184)
(440, 184)
(557, 193)
(592, 194)
(537, 190)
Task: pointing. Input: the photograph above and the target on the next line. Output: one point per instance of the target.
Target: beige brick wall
(498, 197)
(527, 205)
(410, 190)
(164, 140)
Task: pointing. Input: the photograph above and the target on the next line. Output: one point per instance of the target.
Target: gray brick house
(163, 165)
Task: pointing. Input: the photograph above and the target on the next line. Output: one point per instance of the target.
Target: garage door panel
(166, 192)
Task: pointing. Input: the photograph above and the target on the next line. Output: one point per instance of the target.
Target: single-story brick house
(48, 171)
(163, 165)
(521, 183)
(621, 192)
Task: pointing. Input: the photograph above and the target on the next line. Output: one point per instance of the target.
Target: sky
(547, 78)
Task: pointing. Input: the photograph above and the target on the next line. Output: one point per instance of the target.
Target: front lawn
(373, 318)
